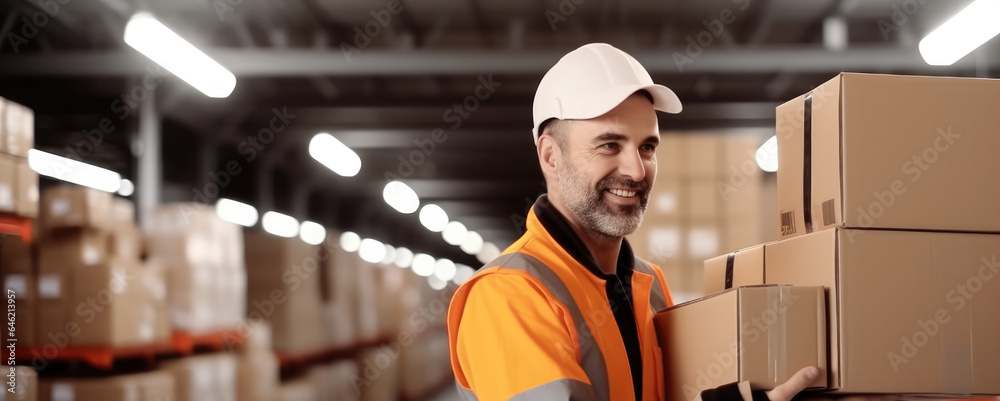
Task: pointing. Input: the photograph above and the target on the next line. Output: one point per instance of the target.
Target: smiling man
(566, 312)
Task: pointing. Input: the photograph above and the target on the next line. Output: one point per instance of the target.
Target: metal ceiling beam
(310, 62)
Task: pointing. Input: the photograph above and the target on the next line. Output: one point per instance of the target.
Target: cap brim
(664, 99)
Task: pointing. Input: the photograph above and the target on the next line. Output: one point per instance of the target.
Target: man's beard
(587, 202)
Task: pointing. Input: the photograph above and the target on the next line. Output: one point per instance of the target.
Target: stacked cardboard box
(201, 256)
(284, 278)
(25, 387)
(297, 390)
(708, 196)
(151, 386)
(336, 381)
(18, 182)
(424, 363)
(378, 373)
(91, 287)
(885, 200)
(257, 373)
(18, 274)
(209, 377)
(339, 294)
(758, 334)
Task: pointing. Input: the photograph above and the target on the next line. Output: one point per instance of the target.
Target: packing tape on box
(807, 162)
(730, 260)
(777, 344)
(956, 372)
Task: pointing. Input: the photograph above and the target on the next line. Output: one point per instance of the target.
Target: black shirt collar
(558, 227)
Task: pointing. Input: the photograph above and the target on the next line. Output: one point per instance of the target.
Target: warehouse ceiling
(383, 76)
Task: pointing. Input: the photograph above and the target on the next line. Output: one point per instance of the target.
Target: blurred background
(372, 155)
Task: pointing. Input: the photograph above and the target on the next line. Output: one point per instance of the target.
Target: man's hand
(800, 381)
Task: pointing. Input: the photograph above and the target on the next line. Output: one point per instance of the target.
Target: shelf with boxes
(18, 182)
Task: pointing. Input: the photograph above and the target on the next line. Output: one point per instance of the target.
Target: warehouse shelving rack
(104, 357)
(16, 225)
(291, 362)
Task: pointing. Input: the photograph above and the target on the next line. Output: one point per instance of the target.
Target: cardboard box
(283, 286)
(22, 285)
(297, 390)
(114, 388)
(74, 206)
(190, 298)
(3, 128)
(19, 129)
(900, 152)
(760, 334)
(195, 233)
(59, 258)
(26, 192)
(126, 239)
(125, 242)
(8, 184)
(910, 312)
(60, 255)
(737, 269)
(150, 386)
(109, 306)
(156, 386)
(25, 385)
(701, 158)
(257, 377)
(209, 377)
(386, 385)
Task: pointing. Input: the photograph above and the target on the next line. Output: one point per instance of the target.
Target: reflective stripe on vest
(656, 298)
(592, 360)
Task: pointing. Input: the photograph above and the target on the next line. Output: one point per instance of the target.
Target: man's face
(608, 168)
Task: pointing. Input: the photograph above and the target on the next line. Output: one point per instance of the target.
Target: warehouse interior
(434, 100)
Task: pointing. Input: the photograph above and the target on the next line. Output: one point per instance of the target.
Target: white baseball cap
(592, 80)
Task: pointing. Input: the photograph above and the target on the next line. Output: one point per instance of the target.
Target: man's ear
(548, 154)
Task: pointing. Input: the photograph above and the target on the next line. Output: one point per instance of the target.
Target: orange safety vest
(534, 323)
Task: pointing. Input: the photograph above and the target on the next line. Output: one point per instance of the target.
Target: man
(566, 312)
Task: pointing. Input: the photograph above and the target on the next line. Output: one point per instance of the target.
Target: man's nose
(631, 165)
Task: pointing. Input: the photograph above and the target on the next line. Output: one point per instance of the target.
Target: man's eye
(610, 146)
(649, 148)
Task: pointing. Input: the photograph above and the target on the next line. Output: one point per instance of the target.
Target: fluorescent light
(236, 212)
(70, 170)
(967, 30)
(333, 154)
(154, 40)
(401, 197)
(462, 274)
(473, 243)
(423, 264)
(312, 233)
(835, 33)
(433, 217)
(127, 188)
(350, 241)
(454, 233)
(371, 251)
(279, 224)
(404, 257)
(767, 155)
(390, 255)
(489, 252)
(444, 269)
(436, 283)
